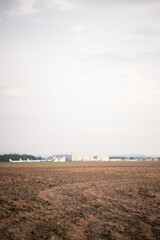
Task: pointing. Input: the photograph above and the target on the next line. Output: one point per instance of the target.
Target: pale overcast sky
(80, 76)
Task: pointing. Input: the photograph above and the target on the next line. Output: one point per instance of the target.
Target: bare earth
(80, 201)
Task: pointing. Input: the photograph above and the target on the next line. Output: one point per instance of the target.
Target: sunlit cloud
(9, 91)
(74, 63)
(79, 38)
(21, 7)
(78, 31)
(78, 28)
(64, 5)
(145, 6)
(39, 20)
(28, 7)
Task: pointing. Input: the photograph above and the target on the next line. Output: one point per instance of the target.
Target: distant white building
(59, 159)
(79, 157)
(85, 157)
(73, 157)
(115, 159)
(102, 158)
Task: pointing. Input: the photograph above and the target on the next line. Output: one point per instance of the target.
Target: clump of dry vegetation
(74, 201)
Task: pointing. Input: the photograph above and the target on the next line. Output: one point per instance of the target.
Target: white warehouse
(79, 157)
(101, 158)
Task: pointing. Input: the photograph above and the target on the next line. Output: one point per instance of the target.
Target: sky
(80, 76)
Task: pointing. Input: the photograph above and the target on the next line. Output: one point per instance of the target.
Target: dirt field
(80, 201)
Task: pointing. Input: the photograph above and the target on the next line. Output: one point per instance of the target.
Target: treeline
(6, 157)
(116, 157)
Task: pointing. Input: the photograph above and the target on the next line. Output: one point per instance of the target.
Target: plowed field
(80, 201)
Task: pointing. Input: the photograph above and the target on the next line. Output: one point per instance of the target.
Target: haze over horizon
(80, 76)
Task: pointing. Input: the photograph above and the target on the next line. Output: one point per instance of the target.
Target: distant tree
(6, 157)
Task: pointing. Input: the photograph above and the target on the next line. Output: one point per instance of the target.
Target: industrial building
(59, 159)
(72, 157)
(101, 158)
(79, 157)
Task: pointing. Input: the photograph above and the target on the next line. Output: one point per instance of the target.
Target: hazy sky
(80, 76)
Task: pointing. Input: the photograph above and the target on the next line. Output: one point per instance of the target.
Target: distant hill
(135, 156)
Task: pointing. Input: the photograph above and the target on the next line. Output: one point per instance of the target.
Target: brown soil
(80, 201)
